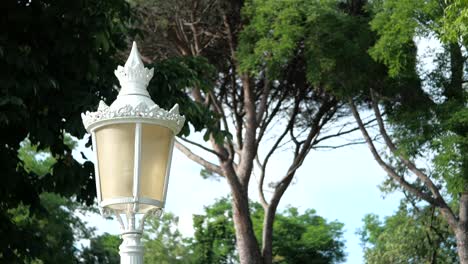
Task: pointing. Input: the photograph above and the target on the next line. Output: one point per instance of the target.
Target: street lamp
(133, 140)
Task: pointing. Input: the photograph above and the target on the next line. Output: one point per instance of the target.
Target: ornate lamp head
(133, 141)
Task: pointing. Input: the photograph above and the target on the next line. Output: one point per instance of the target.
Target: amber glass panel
(116, 148)
(155, 145)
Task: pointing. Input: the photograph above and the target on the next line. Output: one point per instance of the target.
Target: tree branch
(341, 133)
(445, 209)
(339, 146)
(201, 146)
(208, 165)
(269, 118)
(260, 184)
(387, 168)
(263, 103)
(288, 127)
(249, 148)
(220, 111)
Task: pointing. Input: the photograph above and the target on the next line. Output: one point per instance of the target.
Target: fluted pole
(131, 249)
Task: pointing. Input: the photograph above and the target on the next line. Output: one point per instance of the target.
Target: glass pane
(155, 145)
(115, 148)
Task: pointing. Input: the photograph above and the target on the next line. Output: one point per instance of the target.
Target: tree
(425, 110)
(56, 225)
(56, 59)
(412, 235)
(276, 63)
(163, 242)
(103, 249)
(300, 238)
(214, 238)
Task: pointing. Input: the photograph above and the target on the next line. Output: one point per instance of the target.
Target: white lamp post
(133, 140)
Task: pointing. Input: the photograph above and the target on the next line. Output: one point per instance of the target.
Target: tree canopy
(411, 235)
(103, 249)
(164, 243)
(300, 238)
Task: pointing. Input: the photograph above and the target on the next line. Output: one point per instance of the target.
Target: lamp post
(133, 140)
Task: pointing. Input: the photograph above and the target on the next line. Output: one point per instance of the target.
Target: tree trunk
(267, 235)
(462, 245)
(461, 233)
(247, 244)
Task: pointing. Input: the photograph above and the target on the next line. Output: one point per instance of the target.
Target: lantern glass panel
(115, 149)
(155, 150)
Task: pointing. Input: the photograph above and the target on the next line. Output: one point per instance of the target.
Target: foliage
(214, 238)
(455, 22)
(103, 249)
(307, 238)
(425, 118)
(39, 162)
(163, 242)
(400, 22)
(56, 59)
(55, 227)
(333, 40)
(411, 235)
(425, 107)
(299, 238)
(271, 36)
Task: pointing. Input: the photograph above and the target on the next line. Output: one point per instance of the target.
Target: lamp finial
(134, 71)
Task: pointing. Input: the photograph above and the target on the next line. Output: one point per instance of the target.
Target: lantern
(133, 140)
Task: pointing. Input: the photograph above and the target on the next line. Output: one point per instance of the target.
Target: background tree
(214, 238)
(56, 225)
(103, 249)
(56, 59)
(164, 243)
(411, 235)
(300, 238)
(276, 63)
(425, 109)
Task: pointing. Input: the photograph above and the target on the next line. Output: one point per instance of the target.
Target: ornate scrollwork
(172, 117)
(106, 212)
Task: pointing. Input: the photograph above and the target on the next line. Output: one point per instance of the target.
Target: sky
(340, 184)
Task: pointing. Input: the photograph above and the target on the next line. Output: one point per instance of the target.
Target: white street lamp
(133, 140)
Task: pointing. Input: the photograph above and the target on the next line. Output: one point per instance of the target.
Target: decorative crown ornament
(133, 102)
(134, 70)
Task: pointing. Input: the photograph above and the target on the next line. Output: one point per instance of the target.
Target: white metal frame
(137, 167)
(131, 200)
(168, 170)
